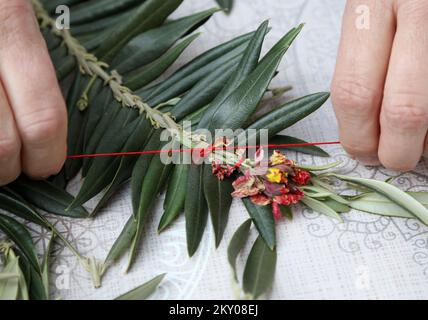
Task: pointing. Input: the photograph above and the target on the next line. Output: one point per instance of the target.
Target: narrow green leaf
(378, 204)
(9, 287)
(150, 14)
(94, 27)
(140, 170)
(103, 169)
(219, 198)
(311, 150)
(239, 106)
(21, 237)
(150, 45)
(144, 291)
(45, 264)
(260, 269)
(205, 90)
(93, 10)
(6, 276)
(236, 245)
(175, 196)
(321, 192)
(226, 5)
(195, 209)
(47, 197)
(158, 67)
(196, 69)
(321, 168)
(184, 84)
(76, 125)
(290, 113)
(394, 194)
(321, 207)
(123, 242)
(14, 203)
(337, 206)
(155, 178)
(263, 220)
(218, 193)
(33, 278)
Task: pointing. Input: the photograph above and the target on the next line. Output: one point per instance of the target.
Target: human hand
(380, 87)
(33, 117)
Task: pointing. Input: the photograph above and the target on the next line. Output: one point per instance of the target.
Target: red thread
(201, 150)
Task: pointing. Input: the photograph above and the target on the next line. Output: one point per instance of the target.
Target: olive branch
(90, 65)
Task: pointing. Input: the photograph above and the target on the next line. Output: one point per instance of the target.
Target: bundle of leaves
(109, 65)
(136, 42)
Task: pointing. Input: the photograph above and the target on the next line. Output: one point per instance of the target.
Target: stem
(89, 264)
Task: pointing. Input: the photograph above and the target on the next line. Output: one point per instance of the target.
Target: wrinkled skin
(33, 117)
(380, 87)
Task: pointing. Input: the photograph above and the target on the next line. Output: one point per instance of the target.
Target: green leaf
(321, 192)
(240, 105)
(205, 90)
(337, 206)
(127, 164)
(321, 207)
(311, 150)
(290, 113)
(263, 220)
(47, 197)
(76, 125)
(103, 169)
(218, 193)
(101, 110)
(92, 10)
(158, 67)
(33, 277)
(195, 209)
(286, 212)
(150, 45)
(109, 135)
(184, 84)
(236, 245)
(175, 196)
(99, 26)
(7, 276)
(9, 285)
(45, 264)
(155, 178)
(394, 194)
(140, 170)
(144, 291)
(219, 198)
(321, 168)
(247, 64)
(226, 5)
(260, 269)
(123, 242)
(378, 204)
(21, 237)
(150, 14)
(14, 203)
(195, 70)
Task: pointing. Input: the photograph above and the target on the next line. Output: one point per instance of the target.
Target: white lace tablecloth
(367, 257)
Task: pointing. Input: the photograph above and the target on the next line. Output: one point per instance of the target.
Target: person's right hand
(33, 117)
(380, 88)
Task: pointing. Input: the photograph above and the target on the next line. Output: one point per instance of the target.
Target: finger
(29, 80)
(10, 145)
(360, 75)
(404, 116)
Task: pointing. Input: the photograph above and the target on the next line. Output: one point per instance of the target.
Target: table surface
(366, 257)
